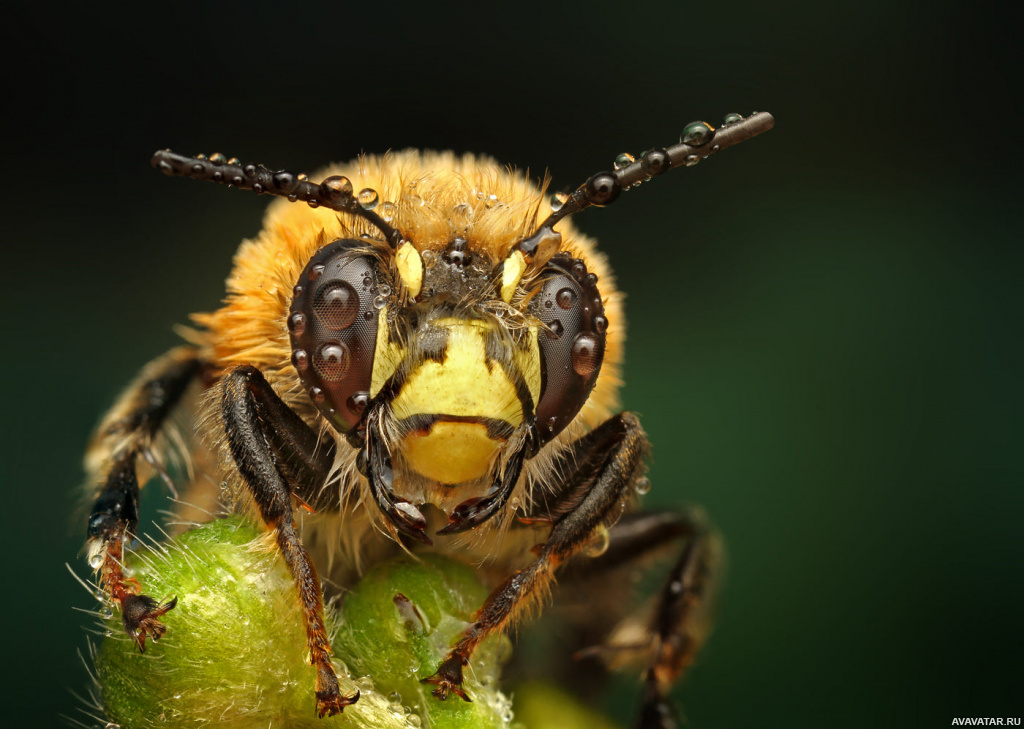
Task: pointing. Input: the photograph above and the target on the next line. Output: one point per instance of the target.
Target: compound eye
(572, 347)
(333, 327)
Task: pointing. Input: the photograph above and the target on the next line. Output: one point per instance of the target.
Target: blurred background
(825, 336)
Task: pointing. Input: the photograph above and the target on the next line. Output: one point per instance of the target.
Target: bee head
(448, 367)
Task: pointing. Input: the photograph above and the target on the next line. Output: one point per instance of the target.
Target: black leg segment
(270, 443)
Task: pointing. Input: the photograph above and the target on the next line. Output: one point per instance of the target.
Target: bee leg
(267, 440)
(680, 621)
(608, 460)
(126, 434)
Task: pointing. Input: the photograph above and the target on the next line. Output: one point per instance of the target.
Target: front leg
(267, 439)
(607, 462)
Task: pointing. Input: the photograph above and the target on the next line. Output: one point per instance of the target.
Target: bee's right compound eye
(572, 347)
(333, 327)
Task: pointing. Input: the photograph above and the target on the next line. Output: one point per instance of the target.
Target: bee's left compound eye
(333, 327)
(572, 347)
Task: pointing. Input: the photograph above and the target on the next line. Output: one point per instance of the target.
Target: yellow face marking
(386, 355)
(511, 273)
(410, 268)
(462, 385)
(451, 452)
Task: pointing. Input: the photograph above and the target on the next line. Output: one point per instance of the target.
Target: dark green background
(825, 324)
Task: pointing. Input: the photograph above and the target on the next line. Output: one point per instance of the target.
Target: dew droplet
(600, 324)
(384, 290)
(335, 188)
(429, 258)
(691, 160)
(566, 298)
(598, 542)
(107, 612)
(491, 201)
(368, 198)
(555, 329)
(697, 134)
(558, 200)
(315, 272)
(332, 361)
(96, 561)
(337, 305)
(731, 119)
(358, 401)
(623, 161)
(584, 355)
(642, 485)
(379, 302)
(297, 323)
(388, 211)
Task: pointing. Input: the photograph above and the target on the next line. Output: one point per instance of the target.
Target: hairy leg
(269, 441)
(126, 434)
(607, 462)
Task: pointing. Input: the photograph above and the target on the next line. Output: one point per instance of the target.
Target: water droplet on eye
(300, 360)
(379, 302)
(317, 394)
(368, 316)
(96, 561)
(297, 323)
(368, 198)
(731, 119)
(600, 324)
(388, 211)
(555, 329)
(584, 355)
(332, 361)
(384, 290)
(358, 401)
(337, 305)
(566, 298)
(642, 485)
(696, 134)
(691, 160)
(623, 161)
(315, 272)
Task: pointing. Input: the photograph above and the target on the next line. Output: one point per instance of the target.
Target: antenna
(698, 140)
(335, 192)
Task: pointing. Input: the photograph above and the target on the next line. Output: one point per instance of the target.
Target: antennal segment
(334, 192)
(697, 141)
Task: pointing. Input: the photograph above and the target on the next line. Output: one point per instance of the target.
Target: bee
(414, 360)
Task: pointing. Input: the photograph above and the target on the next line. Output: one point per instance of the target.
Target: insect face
(450, 371)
